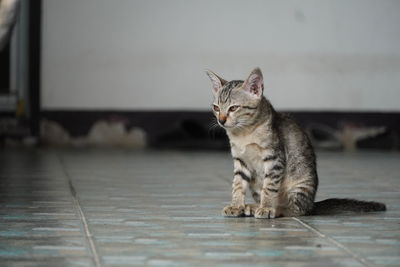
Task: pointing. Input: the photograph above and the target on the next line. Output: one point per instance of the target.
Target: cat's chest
(250, 151)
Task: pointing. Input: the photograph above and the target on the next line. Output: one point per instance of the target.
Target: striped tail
(344, 205)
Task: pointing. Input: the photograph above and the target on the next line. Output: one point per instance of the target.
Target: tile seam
(359, 258)
(81, 215)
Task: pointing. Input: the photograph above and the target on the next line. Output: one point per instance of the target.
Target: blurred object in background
(20, 47)
(346, 137)
(350, 134)
(325, 62)
(78, 62)
(8, 17)
(192, 134)
(104, 133)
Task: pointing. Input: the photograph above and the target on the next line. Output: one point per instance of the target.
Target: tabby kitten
(272, 155)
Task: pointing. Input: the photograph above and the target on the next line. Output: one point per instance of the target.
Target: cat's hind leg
(298, 204)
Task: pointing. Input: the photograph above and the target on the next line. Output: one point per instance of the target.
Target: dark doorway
(20, 74)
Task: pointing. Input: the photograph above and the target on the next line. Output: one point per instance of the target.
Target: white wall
(150, 55)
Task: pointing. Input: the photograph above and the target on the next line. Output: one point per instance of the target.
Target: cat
(272, 156)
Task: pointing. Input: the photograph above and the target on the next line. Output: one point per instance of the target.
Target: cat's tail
(345, 205)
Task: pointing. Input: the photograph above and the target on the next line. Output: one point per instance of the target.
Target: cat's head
(236, 102)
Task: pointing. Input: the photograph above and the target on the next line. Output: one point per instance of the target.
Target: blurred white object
(105, 133)
(8, 17)
(102, 133)
(52, 133)
(351, 134)
(346, 137)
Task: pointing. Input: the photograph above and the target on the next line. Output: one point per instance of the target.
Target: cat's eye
(233, 108)
(215, 108)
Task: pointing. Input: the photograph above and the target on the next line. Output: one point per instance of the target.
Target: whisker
(213, 126)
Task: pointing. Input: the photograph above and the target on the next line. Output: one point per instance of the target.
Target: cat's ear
(254, 84)
(217, 82)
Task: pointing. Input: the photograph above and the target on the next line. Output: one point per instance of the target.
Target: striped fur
(272, 155)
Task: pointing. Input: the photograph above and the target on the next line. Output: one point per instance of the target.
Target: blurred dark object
(164, 129)
(194, 130)
(191, 134)
(20, 46)
(352, 130)
(389, 140)
(5, 70)
(346, 137)
(8, 17)
(323, 136)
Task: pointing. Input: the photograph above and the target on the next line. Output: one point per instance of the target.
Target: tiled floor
(124, 208)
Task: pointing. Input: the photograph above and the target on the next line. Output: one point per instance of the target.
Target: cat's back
(298, 148)
(289, 129)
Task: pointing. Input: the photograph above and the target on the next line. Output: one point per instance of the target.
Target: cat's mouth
(227, 126)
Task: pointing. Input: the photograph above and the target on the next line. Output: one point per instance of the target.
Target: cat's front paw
(232, 211)
(265, 213)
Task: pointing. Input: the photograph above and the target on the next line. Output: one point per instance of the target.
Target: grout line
(336, 243)
(82, 217)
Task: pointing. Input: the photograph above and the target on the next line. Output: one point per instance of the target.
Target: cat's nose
(222, 121)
